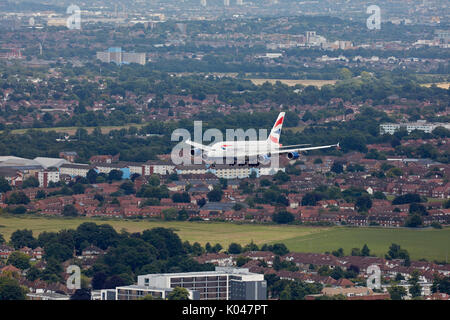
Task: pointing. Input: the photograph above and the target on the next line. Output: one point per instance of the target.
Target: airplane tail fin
(275, 133)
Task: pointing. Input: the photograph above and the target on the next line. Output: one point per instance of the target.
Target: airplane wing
(295, 145)
(304, 149)
(280, 151)
(198, 145)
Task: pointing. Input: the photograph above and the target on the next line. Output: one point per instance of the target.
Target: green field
(431, 244)
(72, 130)
(201, 232)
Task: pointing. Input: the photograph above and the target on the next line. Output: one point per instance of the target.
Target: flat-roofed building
(50, 162)
(134, 57)
(116, 55)
(45, 177)
(420, 125)
(225, 283)
(47, 296)
(136, 292)
(157, 167)
(75, 169)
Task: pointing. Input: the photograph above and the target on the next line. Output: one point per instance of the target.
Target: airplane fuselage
(239, 148)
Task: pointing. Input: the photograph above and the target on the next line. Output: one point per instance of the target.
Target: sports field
(431, 244)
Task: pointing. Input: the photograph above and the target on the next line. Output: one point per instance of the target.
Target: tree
(98, 280)
(183, 215)
(407, 198)
(251, 247)
(17, 210)
(115, 175)
(33, 273)
(215, 195)
(128, 187)
(78, 188)
(365, 251)
(19, 260)
(337, 273)
(414, 221)
(18, 197)
(447, 204)
(345, 74)
(4, 185)
(338, 253)
(91, 176)
(441, 284)
(415, 290)
(197, 249)
(240, 261)
(81, 294)
(281, 177)
(69, 210)
(40, 194)
(280, 249)
(181, 197)
(234, 248)
(217, 247)
(417, 208)
(178, 293)
(169, 214)
(283, 217)
(379, 195)
(23, 238)
(351, 272)
(337, 167)
(397, 292)
(10, 289)
(173, 177)
(399, 277)
(223, 183)
(114, 281)
(441, 132)
(58, 251)
(30, 182)
(396, 252)
(310, 199)
(363, 203)
(201, 202)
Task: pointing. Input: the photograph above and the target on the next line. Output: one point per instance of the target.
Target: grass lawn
(431, 244)
(72, 130)
(201, 232)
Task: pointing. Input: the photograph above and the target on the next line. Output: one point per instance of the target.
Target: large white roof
(50, 162)
(11, 161)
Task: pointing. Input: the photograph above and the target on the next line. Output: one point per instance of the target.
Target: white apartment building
(45, 177)
(75, 169)
(420, 125)
(151, 167)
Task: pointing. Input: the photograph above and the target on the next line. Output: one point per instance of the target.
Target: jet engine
(293, 155)
(264, 159)
(196, 152)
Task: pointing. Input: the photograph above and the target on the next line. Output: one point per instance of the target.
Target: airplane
(261, 151)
